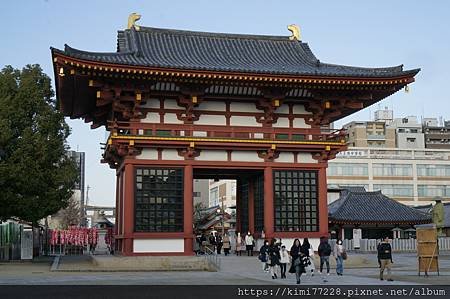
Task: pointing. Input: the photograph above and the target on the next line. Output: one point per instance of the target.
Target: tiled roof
(188, 50)
(370, 207)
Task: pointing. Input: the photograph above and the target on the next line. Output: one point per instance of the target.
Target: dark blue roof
(177, 49)
(370, 207)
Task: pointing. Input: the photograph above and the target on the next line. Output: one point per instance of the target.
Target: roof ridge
(211, 34)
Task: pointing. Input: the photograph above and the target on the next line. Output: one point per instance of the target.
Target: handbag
(292, 268)
(344, 255)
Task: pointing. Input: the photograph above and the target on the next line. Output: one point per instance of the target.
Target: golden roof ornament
(132, 18)
(295, 32)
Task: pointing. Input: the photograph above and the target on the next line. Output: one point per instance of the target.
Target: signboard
(351, 154)
(357, 235)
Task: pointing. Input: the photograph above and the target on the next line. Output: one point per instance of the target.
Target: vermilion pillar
(128, 206)
(251, 207)
(188, 210)
(268, 203)
(323, 204)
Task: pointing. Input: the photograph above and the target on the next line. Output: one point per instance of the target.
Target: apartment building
(406, 159)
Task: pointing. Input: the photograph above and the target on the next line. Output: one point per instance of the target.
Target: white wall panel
(285, 157)
(305, 158)
(171, 104)
(300, 123)
(243, 107)
(171, 118)
(151, 117)
(245, 156)
(248, 121)
(148, 154)
(211, 120)
(171, 154)
(300, 109)
(282, 122)
(212, 106)
(158, 245)
(151, 103)
(212, 155)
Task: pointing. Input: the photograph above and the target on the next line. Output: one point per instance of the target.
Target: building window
(392, 170)
(197, 194)
(258, 193)
(395, 190)
(348, 169)
(432, 191)
(433, 170)
(214, 197)
(159, 200)
(296, 197)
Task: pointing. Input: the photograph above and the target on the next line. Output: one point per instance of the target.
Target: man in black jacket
(385, 256)
(324, 251)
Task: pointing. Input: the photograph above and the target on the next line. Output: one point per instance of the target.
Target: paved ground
(234, 271)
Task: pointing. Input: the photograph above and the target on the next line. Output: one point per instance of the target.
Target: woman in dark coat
(274, 258)
(298, 260)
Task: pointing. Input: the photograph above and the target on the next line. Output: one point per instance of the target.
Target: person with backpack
(299, 260)
(385, 256)
(308, 251)
(263, 256)
(324, 251)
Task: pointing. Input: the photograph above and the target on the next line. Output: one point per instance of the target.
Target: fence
(398, 245)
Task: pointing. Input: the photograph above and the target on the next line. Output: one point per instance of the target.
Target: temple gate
(181, 105)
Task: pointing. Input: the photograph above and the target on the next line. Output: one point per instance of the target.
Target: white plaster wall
(151, 103)
(282, 122)
(248, 121)
(243, 107)
(148, 154)
(200, 134)
(212, 106)
(158, 245)
(151, 117)
(283, 109)
(171, 154)
(300, 109)
(285, 157)
(305, 158)
(171, 104)
(212, 155)
(171, 118)
(245, 156)
(300, 123)
(211, 120)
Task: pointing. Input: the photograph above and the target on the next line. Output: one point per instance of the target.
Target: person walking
(249, 243)
(226, 244)
(284, 260)
(263, 256)
(212, 241)
(339, 253)
(378, 253)
(219, 243)
(297, 264)
(307, 250)
(238, 244)
(274, 258)
(385, 257)
(324, 251)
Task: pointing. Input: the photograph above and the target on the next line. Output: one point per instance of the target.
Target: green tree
(36, 175)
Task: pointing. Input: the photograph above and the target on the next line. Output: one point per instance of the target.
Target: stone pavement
(234, 271)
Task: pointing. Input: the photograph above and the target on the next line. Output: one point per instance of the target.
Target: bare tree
(70, 215)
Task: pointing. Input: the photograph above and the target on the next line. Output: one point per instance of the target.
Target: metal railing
(212, 258)
(398, 245)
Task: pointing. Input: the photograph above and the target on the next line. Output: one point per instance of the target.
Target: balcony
(227, 134)
(376, 137)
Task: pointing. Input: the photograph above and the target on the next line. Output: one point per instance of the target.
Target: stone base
(113, 263)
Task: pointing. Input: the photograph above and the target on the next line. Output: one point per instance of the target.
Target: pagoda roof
(222, 52)
(373, 207)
